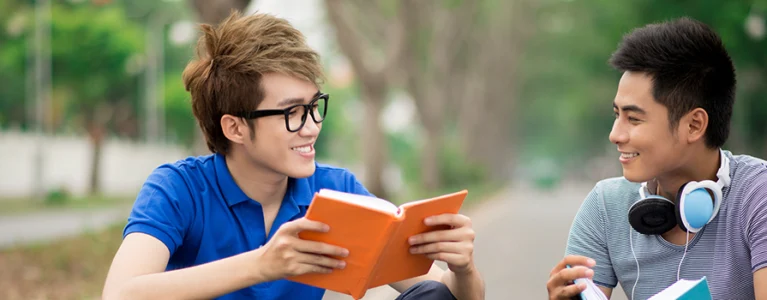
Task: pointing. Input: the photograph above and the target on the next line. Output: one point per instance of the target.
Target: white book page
(675, 290)
(366, 201)
(592, 291)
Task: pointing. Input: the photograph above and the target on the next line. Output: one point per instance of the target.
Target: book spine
(391, 229)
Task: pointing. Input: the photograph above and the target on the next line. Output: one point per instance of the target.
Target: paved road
(47, 226)
(521, 235)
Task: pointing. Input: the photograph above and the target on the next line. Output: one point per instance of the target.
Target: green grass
(15, 206)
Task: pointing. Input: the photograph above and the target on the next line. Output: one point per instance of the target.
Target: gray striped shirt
(727, 251)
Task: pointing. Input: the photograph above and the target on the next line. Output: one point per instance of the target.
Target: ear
(695, 124)
(234, 129)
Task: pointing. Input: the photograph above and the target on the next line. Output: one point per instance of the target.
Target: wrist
(256, 267)
(468, 271)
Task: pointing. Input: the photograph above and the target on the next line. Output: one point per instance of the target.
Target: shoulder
(747, 170)
(184, 174)
(610, 199)
(331, 170)
(616, 190)
(337, 178)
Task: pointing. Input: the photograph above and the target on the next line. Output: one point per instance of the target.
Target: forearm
(465, 286)
(205, 281)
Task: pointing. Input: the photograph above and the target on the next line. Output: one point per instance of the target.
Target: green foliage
(567, 86)
(178, 109)
(93, 67)
(57, 197)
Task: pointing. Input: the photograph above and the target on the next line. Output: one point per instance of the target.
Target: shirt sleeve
(163, 208)
(756, 226)
(588, 238)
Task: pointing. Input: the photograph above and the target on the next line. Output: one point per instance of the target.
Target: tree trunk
(96, 131)
(214, 11)
(430, 157)
(374, 145)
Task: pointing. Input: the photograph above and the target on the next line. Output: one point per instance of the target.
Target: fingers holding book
(562, 276)
(287, 255)
(454, 244)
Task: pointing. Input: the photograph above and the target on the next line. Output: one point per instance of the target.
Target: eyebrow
(631, 108)
(293, 101)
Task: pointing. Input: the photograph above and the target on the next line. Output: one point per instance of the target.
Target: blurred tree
(215, 11)
(15, 45)
(455, 58)
(372, 44)
(570, 86)
(91, 82)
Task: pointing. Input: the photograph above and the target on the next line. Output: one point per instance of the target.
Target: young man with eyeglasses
(226, 225)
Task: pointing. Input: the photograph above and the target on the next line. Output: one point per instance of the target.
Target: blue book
(685, 290)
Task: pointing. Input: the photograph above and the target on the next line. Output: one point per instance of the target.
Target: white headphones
(654, 214)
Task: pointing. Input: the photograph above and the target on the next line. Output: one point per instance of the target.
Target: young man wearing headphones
(684, 207)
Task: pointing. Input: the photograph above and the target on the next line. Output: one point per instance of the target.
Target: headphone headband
(723, 174)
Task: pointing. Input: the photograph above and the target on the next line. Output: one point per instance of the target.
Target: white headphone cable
(686, 242)
(631, 243)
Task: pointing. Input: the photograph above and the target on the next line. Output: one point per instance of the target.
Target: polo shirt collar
(299, 190)
(232, 193)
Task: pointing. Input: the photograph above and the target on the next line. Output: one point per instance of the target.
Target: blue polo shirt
(197, 210)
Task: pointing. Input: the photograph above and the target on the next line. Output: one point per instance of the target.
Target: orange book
(376, 233)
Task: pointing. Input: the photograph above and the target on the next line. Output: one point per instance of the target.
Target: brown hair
(225, 77)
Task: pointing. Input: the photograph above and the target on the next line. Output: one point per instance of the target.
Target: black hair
(690, 68)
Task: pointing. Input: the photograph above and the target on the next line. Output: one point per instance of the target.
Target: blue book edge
(700, 291)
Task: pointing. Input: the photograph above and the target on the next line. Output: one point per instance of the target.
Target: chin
(634, 176)
(302, 171)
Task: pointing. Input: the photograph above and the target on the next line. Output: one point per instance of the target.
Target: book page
(592, 291)
(365, 201)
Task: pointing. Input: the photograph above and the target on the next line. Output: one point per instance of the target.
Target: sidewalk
(46, 226)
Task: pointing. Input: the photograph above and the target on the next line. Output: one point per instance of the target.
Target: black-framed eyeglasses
(295, 116)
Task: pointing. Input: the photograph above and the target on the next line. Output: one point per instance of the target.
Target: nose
(310, 128)
(618, 134)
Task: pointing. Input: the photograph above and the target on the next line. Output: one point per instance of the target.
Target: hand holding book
(286, 255)
(377, 234)
(562, 279)
(454, 246)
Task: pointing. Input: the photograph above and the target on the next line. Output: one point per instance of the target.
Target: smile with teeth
(629, 155)
(303, 149)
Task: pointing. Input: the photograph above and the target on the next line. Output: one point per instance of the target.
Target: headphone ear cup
(652, 215)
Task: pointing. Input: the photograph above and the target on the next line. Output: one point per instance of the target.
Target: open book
(376, 233)
(685, 290)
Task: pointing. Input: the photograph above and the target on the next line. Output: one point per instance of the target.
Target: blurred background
(509, 99)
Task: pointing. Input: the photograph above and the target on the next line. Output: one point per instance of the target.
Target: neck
(257, 181)
(703, 165)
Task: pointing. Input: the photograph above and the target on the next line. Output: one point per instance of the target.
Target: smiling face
(273, 146)
(648, 146)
